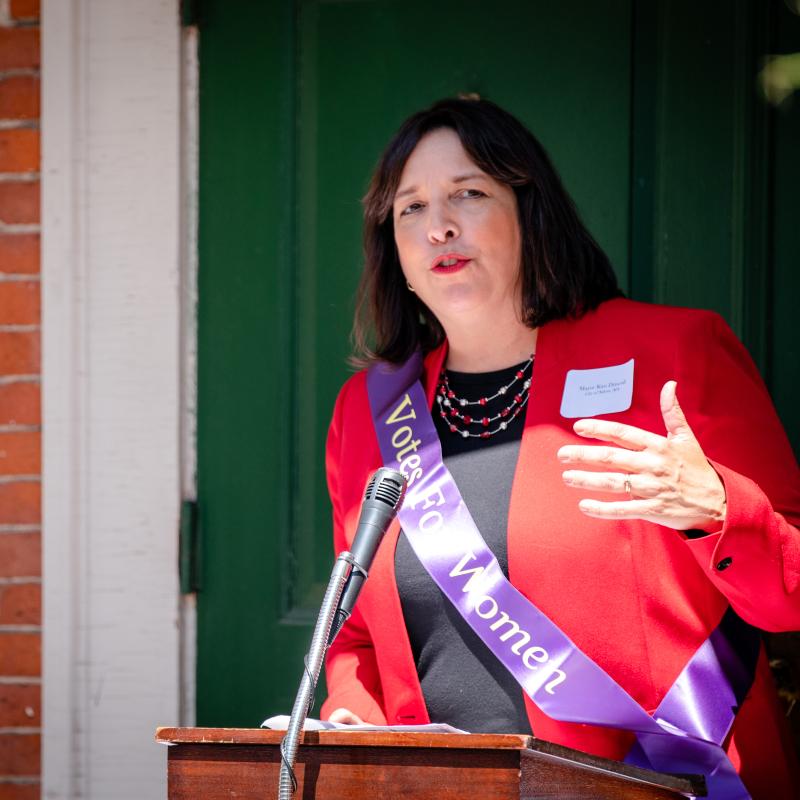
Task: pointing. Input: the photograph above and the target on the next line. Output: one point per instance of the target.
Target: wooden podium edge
(378, 738)
(687, 784)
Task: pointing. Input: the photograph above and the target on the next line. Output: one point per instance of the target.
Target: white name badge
(589, 392)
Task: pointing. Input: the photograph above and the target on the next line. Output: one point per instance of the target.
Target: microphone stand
(342, 568)
(384, 494)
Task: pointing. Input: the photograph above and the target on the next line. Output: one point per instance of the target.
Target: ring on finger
(628, 487)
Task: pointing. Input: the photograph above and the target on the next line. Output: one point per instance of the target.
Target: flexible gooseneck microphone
(382, 500)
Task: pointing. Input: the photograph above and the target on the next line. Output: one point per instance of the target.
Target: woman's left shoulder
(654, 317)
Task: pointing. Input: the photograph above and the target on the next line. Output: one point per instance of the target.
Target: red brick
(20, 654)
(19, 303)
(20, 504)
(20, 604)
(20, 453)
(20, 403)
(20, 352)
(25, 9)
(19, 48)
(20, 553)
(19, 202)
(19, 97)
(20, 791)
(20, 754)
(19, 148)
(19, 253)
(20, 706)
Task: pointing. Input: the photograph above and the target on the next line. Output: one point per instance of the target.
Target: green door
(296, 102)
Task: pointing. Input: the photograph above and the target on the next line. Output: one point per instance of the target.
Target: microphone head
(387, 486)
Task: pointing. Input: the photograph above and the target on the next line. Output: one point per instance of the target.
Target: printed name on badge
(589, 392)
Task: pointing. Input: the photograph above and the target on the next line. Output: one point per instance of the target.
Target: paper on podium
(281, 723)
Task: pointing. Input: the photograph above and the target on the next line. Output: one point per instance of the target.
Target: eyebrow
(458, 179)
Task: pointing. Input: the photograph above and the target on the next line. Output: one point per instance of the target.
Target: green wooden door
(296, 102)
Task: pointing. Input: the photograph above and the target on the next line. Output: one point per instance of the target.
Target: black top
(462, 682)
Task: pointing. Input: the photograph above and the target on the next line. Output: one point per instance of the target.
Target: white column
(111, 393)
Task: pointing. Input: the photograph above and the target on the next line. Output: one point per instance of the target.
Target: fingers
(609, 457)
(674, 419)
(345, 716)
(634, 438)
(667, 480)
(637, 485)
(619, 434)
(625, 509)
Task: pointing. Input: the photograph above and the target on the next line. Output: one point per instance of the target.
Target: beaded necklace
(454, 410)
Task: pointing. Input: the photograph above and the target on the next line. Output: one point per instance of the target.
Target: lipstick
(448, 263)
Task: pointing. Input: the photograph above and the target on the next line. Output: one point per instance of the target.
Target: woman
(631, 526)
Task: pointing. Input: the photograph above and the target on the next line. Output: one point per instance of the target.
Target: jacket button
(724, 564)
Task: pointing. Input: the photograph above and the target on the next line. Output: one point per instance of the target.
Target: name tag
(589, 392)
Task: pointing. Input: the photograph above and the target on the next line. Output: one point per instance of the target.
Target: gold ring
(628, 486)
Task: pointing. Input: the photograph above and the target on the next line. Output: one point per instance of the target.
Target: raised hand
(666, 479)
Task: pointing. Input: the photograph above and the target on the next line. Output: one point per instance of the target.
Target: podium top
(262, 736)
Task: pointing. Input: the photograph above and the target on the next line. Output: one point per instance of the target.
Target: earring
(410, 287)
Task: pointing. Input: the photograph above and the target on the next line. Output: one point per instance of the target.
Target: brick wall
(20, 429)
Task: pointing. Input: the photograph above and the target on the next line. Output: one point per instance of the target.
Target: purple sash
(687, 729)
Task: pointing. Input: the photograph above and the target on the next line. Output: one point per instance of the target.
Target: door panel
(245, 357)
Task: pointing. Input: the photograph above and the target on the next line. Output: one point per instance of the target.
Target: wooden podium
(216, 763)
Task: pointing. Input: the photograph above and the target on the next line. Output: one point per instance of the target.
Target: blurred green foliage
(780, 77)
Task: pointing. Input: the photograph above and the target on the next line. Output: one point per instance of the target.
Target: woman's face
(457, 232)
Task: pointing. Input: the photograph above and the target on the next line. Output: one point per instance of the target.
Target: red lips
(445, 269)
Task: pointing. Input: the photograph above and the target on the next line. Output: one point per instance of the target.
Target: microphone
(382, 501)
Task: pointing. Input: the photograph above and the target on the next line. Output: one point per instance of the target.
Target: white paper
(605, 390)
(281, 723)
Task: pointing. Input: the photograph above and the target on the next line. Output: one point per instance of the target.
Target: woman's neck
(489, 347)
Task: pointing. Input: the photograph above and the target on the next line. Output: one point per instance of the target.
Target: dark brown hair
(564, 271)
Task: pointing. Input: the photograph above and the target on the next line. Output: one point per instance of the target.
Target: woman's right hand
(345, 716)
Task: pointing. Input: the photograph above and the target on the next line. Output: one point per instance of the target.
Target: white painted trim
(190, 136)
(111, 393)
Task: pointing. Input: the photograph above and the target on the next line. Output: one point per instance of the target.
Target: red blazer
(637, 598)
